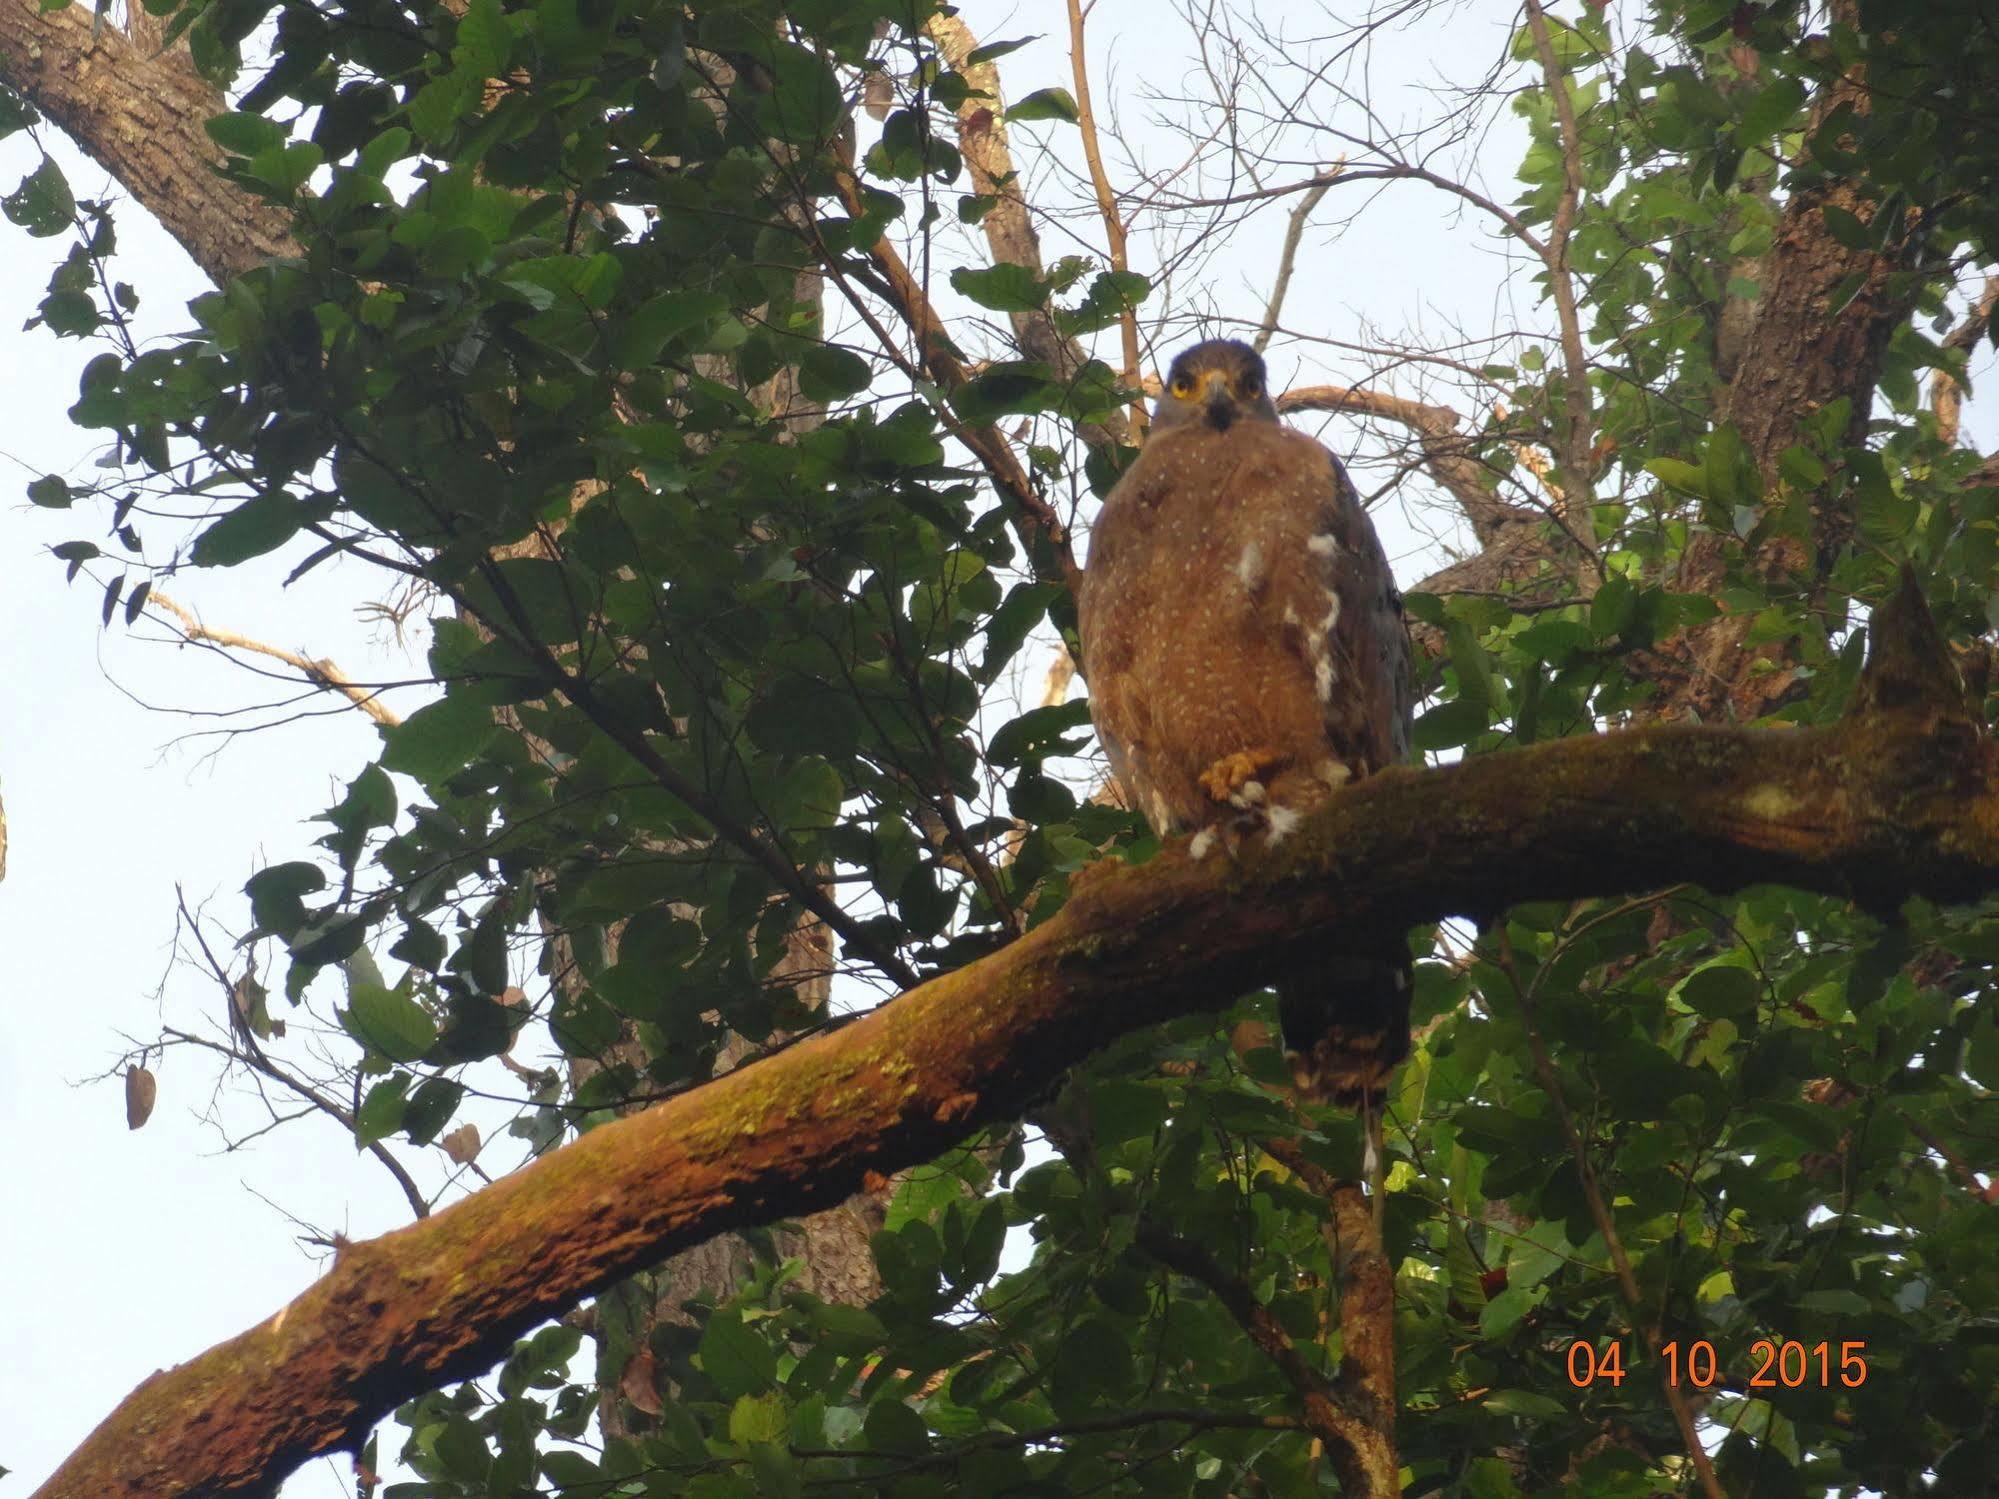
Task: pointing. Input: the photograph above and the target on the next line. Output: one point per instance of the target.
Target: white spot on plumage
(1324, 544)
(1322, 677)
(1249, 567)
(1283, 823)
(1203, 842)
(1335, 773)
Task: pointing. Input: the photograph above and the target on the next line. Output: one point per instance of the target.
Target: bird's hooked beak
(1219, 399)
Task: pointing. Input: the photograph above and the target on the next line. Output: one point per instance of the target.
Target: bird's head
(1220, 382)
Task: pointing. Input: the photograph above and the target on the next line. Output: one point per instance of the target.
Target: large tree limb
(141, 113)
(1450, 456)
(1899, 799)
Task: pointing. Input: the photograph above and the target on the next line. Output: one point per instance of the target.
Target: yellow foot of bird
(1238, 780)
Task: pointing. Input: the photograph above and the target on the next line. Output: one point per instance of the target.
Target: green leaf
(892, 1426)
(485, 37)
(1038, 733)
(758, 1418)
(438, 738)
(1002, 288)
(1525, 1405)
(735, 1359)
(42, 204)
(381, 1112)
(1045, 104)
(1722, 990)
(993, 51)
(253, 528)
(390, 1022)
(1885, 518)
(1689, 478)
(1450, 725)
(638, 338)
(1007, 389)
(828, 373)
(15, 112)
(243, 134)
(1847, 227)
(438, 104)
(277, 896)
(431, 1108)
(1727, 474)
(51, 492)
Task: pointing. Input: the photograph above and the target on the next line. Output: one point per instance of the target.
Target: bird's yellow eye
(1249, 387)
(1183, 386)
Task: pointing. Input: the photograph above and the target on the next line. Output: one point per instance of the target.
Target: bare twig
(1294, 232)
(253, 1056)
(1107, 208)
(318, 670)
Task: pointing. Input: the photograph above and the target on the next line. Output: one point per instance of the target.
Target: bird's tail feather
(1346, 1025)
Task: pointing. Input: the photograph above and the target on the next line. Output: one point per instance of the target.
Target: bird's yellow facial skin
(1203, 386)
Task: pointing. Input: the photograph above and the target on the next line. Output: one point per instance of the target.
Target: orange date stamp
(1777, 1364)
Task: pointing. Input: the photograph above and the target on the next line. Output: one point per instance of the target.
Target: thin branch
(318, 670)
(1578, 435)
(760, 850)
(253, 1056)
(1366, 1284)
(939, 362)
(1294, 232)
(1107, 208)
(1350, 1442)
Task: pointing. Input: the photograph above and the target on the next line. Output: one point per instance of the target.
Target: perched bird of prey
(1247, 657)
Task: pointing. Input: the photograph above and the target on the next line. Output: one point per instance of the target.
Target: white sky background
(125, 1252)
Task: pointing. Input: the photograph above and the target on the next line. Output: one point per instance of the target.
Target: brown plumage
(1246, 657)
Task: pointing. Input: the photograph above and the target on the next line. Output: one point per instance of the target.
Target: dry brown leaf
(462, 1144)
(639, 1383)
(141, 1089)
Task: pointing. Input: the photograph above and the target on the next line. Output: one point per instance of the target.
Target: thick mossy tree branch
(1901, 798)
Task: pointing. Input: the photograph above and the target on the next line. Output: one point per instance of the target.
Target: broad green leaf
(389, 1022)
(253, 528)
(1045, 104)
(42, 204)
(1003, 288)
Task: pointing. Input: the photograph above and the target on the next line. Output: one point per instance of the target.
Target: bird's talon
(1236, 780)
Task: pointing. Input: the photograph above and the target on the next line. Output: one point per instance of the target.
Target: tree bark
(140, 113)
(1822, 323)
